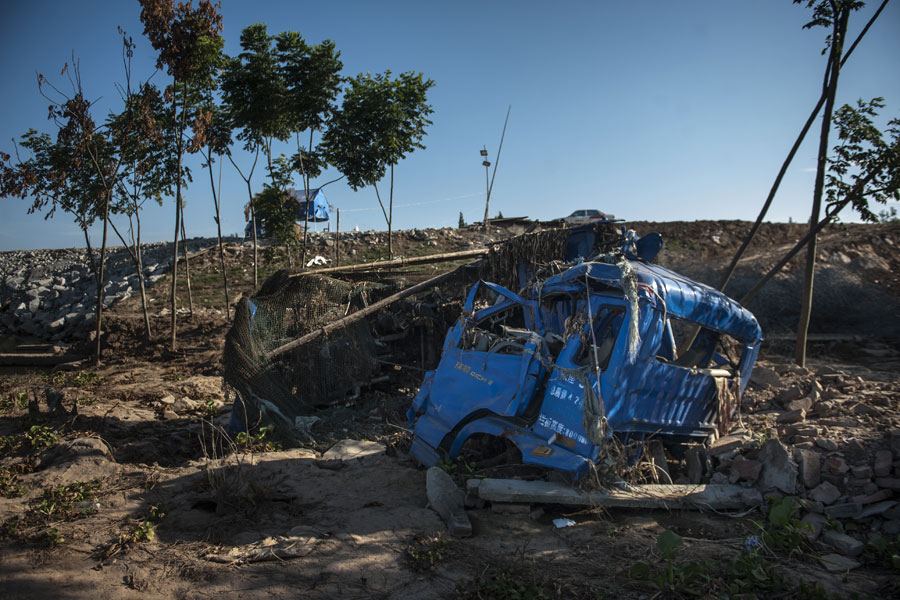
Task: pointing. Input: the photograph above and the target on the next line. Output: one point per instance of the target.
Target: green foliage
(381, 120)
(256, 442)
(462, 221)
(276, 208)
(41, 436)
(253, 92)
(864, 167)
(9, 483)
(888, 216)
(62, 502)
(142, 532)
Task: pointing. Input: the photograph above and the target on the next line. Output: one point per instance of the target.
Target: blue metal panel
(480, 392)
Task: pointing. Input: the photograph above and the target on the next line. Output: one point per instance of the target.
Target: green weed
(256, 442)
(424, 553)
(9, 484)
(41, 436)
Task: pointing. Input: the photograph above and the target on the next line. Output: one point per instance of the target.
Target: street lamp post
(487, 186)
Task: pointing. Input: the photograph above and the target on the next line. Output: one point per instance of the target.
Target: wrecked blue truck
(616, 346)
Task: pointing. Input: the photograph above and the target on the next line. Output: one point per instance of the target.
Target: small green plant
(424, 553)
(9, 443)
(174, 377)
(256, 442)
(448, 465)
(784, 533)
(41, 436)
(9, 484)
(64, 501)
(51, 538)
(142, 532)
(209, 409)
(86, 378)
(886, 551)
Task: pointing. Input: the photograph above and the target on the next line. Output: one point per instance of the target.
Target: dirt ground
(116, 480)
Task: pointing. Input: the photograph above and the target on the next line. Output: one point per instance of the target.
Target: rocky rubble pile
(52, 294)
(826, 438)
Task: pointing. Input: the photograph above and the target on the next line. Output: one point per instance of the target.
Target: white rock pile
(52, 294)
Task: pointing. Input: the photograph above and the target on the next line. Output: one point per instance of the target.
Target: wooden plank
(398, 262)
(27, 359)
(701, 496)
(360, 314)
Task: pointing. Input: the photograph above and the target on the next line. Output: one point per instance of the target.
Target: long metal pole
(487, 202)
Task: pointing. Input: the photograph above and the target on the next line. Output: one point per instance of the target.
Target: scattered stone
(876, 496)
(825, 493)
(835, 563)
(694, 464)
(861, 471)
(848, 510)
(884, 461)
(895, 443)
(809, 462)
(168, 400)
(764, 377)
(727, 444)
(816, 522)
(790, 394)
(836, 465)
(745, 469)
(826, 444)
(447, 500)
(794, 416)
(353, 449)
(843, 543)
(804, 404)
(876, 509)
(890, 483)
(778, 470)
(185, 405)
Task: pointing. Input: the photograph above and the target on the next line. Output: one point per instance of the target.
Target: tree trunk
(100, 277)
(92, 265)
(391, 217)
(187, 267)
(212, 184)
(179, 152)
(833, 71)
(134, 251)
(255, 241)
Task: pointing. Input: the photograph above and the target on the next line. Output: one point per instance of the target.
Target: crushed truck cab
(616, 347)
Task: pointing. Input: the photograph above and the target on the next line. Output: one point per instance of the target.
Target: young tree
(212, 138)
(188, 41)
(140, 134)
(381, 120)
(276, 208)
(312, 80)
(835, 15)
(253, 95)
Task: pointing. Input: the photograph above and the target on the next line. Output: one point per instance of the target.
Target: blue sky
(649, 110)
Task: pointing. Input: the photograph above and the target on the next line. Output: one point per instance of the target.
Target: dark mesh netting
(276, 385)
